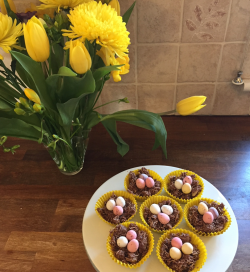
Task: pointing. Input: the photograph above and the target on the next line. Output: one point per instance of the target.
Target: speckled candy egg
(118, 210)
(110, 204)
(167, 209)
(202, 208)
(163, 218)
(131, 234)
(178, 184)
(143, 176)
(122, 241)
(175, 253)
(150, 182)
(155, 208)
(187, 248)
(133, 246)
(186, 188)
(187, 179)
(120, 201)
(214, 212)
(208, 217)
(140, 183)
(176, 242)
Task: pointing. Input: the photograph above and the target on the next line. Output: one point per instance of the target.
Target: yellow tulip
(32, 95)
(115, 4)
(3, 8)
(190, 105)
(36, 40)
(79, 57)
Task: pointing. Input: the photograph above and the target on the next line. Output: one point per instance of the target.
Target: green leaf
(65, 71)
(56, 57)
(8, 93)
(25, 76)
(127, 14)
(4, 106)
(90, 48)
(103, 71)
(10, 12)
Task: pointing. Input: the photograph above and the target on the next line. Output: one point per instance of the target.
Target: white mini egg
(175, 253)
(155, 209)
(186, 188)
(202, 208)
(187, 248)
(122, 241)
(167, 209)
(120, 201)
(110, 205)
(178, 184)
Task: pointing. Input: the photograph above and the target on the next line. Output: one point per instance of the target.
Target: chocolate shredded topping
(196, 219)
(196, 188)
(128, 210)
(123, 254)
(153, 221)
(187, 262)
(133, 189)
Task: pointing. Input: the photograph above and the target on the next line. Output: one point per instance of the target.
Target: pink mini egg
(131, 234)
(163, 218)
(133, 245)
(140, 183)
(208, 217)
(118, 210)
(187, 179)
(176, 242)
(150, 182)
(214, 212)
(143, 176)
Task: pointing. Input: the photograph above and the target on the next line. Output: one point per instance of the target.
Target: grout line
(228, 19)
(168, 84)
(136, 48)
(185, 43)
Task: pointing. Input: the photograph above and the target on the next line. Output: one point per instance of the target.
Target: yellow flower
(115, 4)
(32, 95)
(79, 58)
(39, 12)
(9, 32)
(95, 21)
(190, 105)
(61, 3)
(36, 40)
(3, 8)
(123, 69)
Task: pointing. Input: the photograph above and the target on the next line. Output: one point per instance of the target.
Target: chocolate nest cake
(187, 262)
(153, 220)
(122, 253)
(133, 189)
(128, 210)
(196, 219)
(195, 187)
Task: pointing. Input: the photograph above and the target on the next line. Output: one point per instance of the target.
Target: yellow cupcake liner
(195, 240)
(150, 248)
(156, 200)
(178, 173)
(153, 174)
(208, 200)
(104, 198)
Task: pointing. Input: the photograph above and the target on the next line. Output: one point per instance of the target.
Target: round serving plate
(220, 249)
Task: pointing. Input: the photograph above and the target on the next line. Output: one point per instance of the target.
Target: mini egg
(187, 179)
(202, 208)
(167, 209)
(155, 208)
(186, 188)
(120, 201)
(131, 234)
(176, 242)
(163, 218)
(178, 184)
(187, 248)
(175, 253)
(110, 204)
(122, 241)
(143, 176)
(140, 183)
(208, 217)
(150, 182)
(133, 246)
(214, 212)
(118, 210)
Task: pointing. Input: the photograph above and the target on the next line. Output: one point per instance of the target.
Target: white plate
(220, 249)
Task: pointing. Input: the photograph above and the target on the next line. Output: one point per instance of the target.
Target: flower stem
(107, 103)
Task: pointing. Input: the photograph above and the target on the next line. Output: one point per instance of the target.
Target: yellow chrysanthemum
(61, 3)
(95, 21)
(123, 69)
(9, 32)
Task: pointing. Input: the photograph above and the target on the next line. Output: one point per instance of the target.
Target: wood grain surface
(41, 210)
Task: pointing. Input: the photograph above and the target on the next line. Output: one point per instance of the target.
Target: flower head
(61, 3)
(9, 32)
(190, 105)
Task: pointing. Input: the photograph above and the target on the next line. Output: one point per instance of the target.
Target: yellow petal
(32, 95)
(28, 42)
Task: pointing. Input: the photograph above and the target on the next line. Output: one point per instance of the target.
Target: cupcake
(143, 183)
(130, 244)
(161, 213)
(180, 250)
(183, 185)
(116, 207)
(207, 217)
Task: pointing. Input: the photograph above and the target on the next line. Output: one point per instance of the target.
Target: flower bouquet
(59, 66)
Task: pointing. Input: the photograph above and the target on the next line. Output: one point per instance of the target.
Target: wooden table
(41, 210)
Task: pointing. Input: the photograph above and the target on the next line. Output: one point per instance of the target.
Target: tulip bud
(115, 4)
(190, 105)
(80, 59)
(37, 108)
(24, 102)
(3, 8)
(18, 105)
(19, 111)
(32, 95)
(36, 40)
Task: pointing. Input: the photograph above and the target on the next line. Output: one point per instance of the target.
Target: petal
(28, 42)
